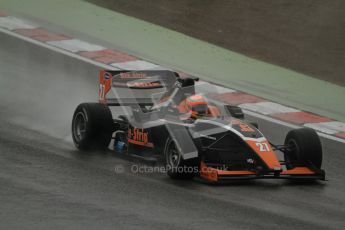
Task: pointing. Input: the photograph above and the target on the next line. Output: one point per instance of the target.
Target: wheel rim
(293, 153)
(173, 155)
(79, 127)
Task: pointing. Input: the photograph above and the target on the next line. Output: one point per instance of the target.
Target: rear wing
(125, 88)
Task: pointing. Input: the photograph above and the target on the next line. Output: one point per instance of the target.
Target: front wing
(216, 175)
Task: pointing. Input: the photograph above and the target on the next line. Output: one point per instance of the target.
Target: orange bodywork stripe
(105, 85)
(207, 172)
(297, 171)
(148, 144)
(212, 174)
(235, 172)
(265, 152)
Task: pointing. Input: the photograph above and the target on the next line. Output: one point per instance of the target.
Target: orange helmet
(198, 105)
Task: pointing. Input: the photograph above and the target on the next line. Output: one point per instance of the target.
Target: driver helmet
(198, 105)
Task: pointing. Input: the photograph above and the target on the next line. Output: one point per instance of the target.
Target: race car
(157, 114)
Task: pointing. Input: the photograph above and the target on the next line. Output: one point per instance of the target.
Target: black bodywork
(222, 146)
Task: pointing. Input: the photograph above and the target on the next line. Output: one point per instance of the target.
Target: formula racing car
(160, 115)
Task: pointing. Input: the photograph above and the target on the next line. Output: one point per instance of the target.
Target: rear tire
(304, 148)
(92, 126)
(177, 168)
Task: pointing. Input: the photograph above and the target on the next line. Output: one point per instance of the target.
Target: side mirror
(234, 111)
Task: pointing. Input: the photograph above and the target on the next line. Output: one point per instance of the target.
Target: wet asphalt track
(46, 184)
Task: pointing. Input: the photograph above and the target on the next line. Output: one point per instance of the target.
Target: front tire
(92, 126)
(304, 148)
(177, 167)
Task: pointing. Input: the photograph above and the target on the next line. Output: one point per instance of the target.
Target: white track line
(73, 55)
(76, 45)
(292, 126)
(55, 49)
(13, 23)
(330, 127)
(268, 107)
